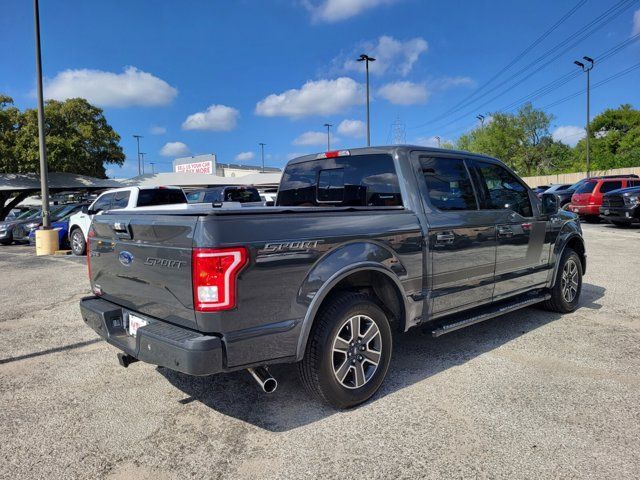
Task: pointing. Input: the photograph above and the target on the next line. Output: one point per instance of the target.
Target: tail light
(214, 272)
(592, 200)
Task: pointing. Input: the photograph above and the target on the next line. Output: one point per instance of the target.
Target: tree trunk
(5, 207)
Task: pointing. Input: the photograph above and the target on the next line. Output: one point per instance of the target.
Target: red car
(587, 198)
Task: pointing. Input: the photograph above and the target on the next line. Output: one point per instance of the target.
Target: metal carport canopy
(30, 182)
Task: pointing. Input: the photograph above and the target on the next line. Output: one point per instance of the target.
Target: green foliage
(523, 142)
(78, 138)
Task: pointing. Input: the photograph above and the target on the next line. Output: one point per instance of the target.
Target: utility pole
(138, 137)
(481, 118)
(142, 154)
(328, 125)
(438, 139)
(44, 169)
(153, 169)
(366, 58)
(587, 70)
(262, 148)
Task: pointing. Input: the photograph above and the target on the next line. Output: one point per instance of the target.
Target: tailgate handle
(122, 229)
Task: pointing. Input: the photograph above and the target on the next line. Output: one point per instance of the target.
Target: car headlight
(632, 199)
(31, 225)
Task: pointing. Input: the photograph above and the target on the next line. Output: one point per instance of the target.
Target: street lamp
(262, 148)
(366, 59)
(481, 118)
(328, 125)
(142, 154)
(153, 168)
(138, 137)
(587, 70)
(438, 139)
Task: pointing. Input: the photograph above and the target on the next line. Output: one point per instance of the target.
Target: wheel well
(577, 246)
(379, 287)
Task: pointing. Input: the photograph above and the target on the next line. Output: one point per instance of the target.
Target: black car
(621, 207)
(362, 245)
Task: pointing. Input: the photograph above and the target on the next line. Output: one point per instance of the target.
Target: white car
(127, 198)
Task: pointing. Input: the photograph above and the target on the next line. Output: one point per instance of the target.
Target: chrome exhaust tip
(264, 379)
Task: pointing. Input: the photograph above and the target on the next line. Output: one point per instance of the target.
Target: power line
(583, 33)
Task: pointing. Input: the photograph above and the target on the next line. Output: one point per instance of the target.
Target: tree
(78, 138)
(10, 118)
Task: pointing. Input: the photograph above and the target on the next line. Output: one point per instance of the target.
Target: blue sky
(221, 76)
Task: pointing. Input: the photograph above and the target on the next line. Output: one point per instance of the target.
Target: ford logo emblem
(125, 258)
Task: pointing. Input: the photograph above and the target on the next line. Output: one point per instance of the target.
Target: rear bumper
(158, 343)
(585, 209)
(619, 214)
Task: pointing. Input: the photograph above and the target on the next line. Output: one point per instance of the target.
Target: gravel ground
(528, 395)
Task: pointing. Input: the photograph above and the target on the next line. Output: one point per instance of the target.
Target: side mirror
(549, 204)
(85, 209)
(91, 211)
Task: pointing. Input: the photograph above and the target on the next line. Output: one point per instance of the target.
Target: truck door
(523, 252)
(461, 237)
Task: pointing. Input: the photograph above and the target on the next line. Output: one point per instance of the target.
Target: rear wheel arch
(381, 285)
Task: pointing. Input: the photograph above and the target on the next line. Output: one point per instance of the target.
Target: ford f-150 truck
(362, 245)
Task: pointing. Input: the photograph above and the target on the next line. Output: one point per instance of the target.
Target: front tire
(78, 243)
(348, 352)
(565, 294)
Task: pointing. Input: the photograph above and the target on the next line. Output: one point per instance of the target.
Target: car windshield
(28, 214)
(63, 212)
(586, 187)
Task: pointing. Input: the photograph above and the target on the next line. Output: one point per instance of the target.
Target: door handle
(505, 232)
(445, 238)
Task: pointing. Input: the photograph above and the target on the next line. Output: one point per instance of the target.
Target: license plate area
(133, 323)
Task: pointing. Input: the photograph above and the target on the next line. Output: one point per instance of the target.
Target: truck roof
(389, 149)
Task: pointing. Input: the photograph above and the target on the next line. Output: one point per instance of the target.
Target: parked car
(7, 227)
(564, 196)
(61, 224)
(557, 188)
(540, 189)
(58, 213)
(587, 199)
(246, 196)
(14, 213)
(363, 244)
(126, 198)
(621, 207)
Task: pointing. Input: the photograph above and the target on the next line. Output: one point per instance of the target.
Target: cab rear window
(160, 196)
(357, 181)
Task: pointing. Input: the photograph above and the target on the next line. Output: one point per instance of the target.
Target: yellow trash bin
(46, 242)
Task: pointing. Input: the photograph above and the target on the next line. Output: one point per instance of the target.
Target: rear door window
(357, 181)
(609, 186)
(448, 183)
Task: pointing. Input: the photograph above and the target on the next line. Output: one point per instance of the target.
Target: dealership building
(208, 164)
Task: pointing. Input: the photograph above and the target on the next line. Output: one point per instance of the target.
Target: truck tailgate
(143, 263)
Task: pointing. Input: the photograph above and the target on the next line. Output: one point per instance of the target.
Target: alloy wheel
(356, 353)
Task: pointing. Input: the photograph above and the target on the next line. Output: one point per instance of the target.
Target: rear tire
(621, 224)
(340, 368)
(6, 242)
(78, 243)
(565, 294)
(592, 219)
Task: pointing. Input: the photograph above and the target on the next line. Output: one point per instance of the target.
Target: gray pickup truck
(362, 244)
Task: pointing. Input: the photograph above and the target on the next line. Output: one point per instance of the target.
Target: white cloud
(636, 23)
(157, 130)
(244, 156)
(404, 93)
(336, 10)
(445, 83)
(314, 138)
(392, 56)
(217, 118)
(174, 149)
(568, 134)
(133, 87)
(352, 128)
(321, 97)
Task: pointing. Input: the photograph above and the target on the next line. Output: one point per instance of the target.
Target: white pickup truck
(126, 198)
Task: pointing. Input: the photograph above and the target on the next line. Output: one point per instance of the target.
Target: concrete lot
(528, 395)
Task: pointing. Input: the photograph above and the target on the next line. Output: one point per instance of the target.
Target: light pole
(153, 168)
(481, 118)
(366, 59)
(142, 154)
(587, 69)
(138, 137)
(262, 149)
(438, 139)
(328, 125)
(44, 171)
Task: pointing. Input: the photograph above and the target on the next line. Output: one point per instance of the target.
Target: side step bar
(493, 311)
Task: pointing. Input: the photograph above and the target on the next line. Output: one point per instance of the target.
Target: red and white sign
(196, 167)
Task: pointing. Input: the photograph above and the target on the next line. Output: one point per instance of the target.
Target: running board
(490, 312)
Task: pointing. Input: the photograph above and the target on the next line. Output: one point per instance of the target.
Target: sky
(212, 76)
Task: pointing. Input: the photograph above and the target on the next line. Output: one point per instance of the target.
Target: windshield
(64, 212)
(586, 187)
(28, 214)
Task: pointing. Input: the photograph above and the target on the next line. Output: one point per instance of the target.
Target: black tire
(621, 224)
(6, 242)
(592, 219)
(558, 301)
(318, 367)
(78, 243)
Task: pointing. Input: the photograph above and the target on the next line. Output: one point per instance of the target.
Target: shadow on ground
(416, 357)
